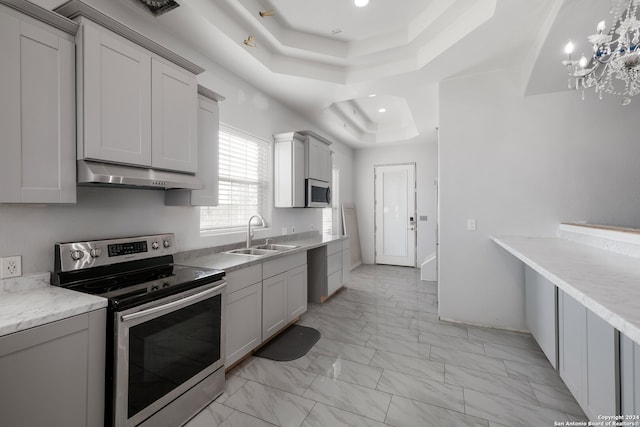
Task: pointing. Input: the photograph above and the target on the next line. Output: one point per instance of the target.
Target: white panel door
(395, 201)
(274, 305)
(296, 292)
(116, 97)
(174, 114)
(243, 318)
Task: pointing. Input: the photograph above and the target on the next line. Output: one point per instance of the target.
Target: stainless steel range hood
(106, 174)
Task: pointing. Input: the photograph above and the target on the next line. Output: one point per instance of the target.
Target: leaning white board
(350, 226)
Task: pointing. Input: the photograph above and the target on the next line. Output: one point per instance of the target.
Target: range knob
(95, 252)
(155, 245)
(155, 287)
(166, 243)
(77, 255)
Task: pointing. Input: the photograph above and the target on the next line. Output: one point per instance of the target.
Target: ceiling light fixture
(614, 67)
(361, 3)
(372, 95)
(382, 110)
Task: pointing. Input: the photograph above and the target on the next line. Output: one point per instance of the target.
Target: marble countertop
(207, 258)
(29, 301)
(605, 282)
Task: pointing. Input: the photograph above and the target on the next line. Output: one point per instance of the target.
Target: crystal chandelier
(614, 67)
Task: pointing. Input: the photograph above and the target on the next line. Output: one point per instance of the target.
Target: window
(243, 181)
(331, 215)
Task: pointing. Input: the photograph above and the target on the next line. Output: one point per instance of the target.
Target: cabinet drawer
(334, 263)
(334, 247)
(334, 281)
(240, 279)
(282, 264)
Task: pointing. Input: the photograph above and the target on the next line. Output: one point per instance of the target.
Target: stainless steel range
(165, 327)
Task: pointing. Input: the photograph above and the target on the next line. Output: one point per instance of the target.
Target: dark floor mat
(292, 343)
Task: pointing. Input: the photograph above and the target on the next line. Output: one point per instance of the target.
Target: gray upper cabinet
(135, 108)
(137, 101)
(297, 156)
(114, 111)
(318, 158)
(208, 149)
(37, 112)
(289, 170)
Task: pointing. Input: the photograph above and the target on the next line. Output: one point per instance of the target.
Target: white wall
(32, 231)
(425, 156)
(520, 166)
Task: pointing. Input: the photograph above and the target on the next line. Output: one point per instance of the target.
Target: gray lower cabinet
(540, 309)
(284, 292)
(629, 376)
(326, 274)
(53, 375)
(588, 353)
(274, 303)
(243, 313)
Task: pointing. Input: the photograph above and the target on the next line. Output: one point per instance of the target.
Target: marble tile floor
(385, 359)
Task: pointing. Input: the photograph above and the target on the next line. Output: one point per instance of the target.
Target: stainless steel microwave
(318, 194)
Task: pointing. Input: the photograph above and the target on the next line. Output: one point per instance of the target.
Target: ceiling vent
(157, 7)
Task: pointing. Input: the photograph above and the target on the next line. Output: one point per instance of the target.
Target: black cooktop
(127, 289)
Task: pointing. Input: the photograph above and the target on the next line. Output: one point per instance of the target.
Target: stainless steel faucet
(249, 232)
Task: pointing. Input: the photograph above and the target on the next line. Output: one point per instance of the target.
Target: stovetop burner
(125, 271)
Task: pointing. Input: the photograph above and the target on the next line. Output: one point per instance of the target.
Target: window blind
(243, 172)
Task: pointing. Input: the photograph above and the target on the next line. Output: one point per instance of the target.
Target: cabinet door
(629, 376)
(572, 317)
(288, 170)
(296, 292)
(244, 322)
(37, 113)
(540, 310)
(318, 160)
(602, 391)
(334, 282)
(116, 98)
(49, 374)
(345, 266)
(174, 109)
(274, 305)
(208, 148)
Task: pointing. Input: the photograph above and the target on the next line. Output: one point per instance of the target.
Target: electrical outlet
(10, 266)
(472, 225)
(284, 231)
(293, 228)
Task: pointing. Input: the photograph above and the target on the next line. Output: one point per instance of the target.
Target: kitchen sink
(253, 251)
(275, 247)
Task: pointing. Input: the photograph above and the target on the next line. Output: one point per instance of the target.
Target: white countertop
(230, 262)
(606, 283)
(30, 301)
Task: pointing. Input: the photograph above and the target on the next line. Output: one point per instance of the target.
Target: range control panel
(80, 255)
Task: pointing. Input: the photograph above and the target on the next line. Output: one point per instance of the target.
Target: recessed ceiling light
(373, 95)
(361, 3)
(382, 110)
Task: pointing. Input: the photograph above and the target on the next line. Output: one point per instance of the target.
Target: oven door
(318, 194)
(164, 348)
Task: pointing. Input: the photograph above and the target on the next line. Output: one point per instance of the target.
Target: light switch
(424, 217)
(471, 224)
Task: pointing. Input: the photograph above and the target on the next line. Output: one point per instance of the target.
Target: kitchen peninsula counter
(605, 282)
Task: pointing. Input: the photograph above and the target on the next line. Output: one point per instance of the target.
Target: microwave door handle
(328, 195)
(173, 304)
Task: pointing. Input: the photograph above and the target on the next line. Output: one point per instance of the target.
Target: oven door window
(168, 350)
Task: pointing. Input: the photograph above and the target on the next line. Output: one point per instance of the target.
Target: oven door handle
(173, 304)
